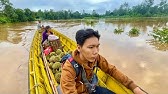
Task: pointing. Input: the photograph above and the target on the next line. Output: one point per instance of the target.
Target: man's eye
(90, 47)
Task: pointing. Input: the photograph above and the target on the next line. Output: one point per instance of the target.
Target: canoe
(41, 78)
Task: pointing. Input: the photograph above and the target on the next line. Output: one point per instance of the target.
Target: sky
(75, 5)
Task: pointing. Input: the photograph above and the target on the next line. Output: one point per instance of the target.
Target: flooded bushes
(118, 31)
(134, 32)
(161, 35)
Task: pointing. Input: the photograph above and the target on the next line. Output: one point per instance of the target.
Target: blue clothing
(98, 90)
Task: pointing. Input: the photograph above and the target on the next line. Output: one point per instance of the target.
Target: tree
(9, 12)
(4, 3)
(95, 14)
(163, 6)
(40, 14)
(76, 14)
(108, 13)
(29, 14)
(149, 3)
(21, 15)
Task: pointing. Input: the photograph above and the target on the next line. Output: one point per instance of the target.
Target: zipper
(82, 85)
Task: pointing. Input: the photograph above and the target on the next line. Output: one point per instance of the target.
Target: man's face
(90, 49)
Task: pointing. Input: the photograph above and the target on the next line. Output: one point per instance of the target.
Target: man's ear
(78, 47)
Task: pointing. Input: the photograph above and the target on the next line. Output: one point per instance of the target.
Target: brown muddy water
(140, 58)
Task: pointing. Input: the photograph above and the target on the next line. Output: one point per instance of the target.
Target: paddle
(143, 90)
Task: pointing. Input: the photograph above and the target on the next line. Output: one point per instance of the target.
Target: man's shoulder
(100, 57)
(67, 65)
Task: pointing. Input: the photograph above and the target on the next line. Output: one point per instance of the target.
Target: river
(140, 58)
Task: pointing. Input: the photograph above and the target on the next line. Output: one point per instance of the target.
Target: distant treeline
(146, 9)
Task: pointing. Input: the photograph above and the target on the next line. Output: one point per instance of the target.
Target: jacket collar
(85, 64)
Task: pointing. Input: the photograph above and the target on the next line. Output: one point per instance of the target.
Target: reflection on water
(14, 37)
(158, 45)
(142, 24)
(90, 22)
(133, 35)
(3, 33)
(145, 27)
(118, 31)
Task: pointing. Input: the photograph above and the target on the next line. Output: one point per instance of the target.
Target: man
(86, 55)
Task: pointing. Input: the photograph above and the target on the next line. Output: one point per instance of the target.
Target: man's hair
(83, 34)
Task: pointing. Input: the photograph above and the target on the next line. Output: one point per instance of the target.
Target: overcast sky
(75, 5)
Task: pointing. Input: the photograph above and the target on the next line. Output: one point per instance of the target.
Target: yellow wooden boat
(41, 78)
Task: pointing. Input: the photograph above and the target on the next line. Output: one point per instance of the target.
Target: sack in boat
(55, 44)
(46, 44)
(52, 37)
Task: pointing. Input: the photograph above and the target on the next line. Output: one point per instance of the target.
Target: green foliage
(161, 35)
(10, 14)
(89, 21)
(4, 3)
(145, 9)
(118, 31)
(30, 16)
(4, 20)
(134, 32)
(21, 15)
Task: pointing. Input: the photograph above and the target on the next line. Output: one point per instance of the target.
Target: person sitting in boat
(87, 56)
(42, 28)
(46, 33)
(39, 25)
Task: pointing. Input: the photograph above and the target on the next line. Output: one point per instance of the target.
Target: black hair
(46, 28)
(83, 34)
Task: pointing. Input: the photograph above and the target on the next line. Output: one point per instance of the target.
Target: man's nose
(96, 51)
